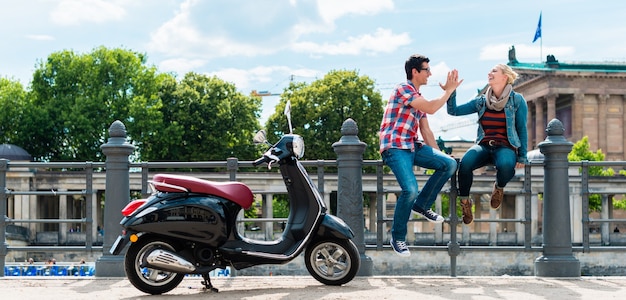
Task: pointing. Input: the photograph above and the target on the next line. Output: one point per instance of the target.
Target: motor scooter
(189, 226)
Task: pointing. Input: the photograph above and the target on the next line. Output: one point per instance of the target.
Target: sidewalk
(307, 288)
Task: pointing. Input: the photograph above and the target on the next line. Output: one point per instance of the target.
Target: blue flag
(538, 32)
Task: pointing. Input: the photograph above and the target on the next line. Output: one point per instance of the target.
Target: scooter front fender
(335, 227)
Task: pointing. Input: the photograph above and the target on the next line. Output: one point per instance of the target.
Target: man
(400, 147)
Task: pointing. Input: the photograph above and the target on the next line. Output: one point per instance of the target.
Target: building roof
(552, 64)
(12, 152)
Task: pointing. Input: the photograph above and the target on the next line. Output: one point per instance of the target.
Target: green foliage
(280, 205)
(203, 118)
(280, 208)
(319, 109)
(74, 98)
(252, 212)
(12, 100)
(81, 95)
(580, 151)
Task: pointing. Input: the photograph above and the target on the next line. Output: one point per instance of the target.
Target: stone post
(117, 195)
(349, 150)
(557, 259)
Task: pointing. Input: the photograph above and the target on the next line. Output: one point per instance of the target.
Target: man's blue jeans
(401, 162)
(504, 158)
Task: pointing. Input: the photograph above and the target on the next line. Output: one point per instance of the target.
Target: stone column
(539, 129)
(117, 195)
(551, 106)
(623, 123)
(603, 132)
(94, 216)
(4, 167)
(576, 213)
(557, 259)
(532, 139)
(520, 213)
(349, 150)
(604, 227)
(372, 212)
(63, 227)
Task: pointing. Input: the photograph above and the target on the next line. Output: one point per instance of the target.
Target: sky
(264, 44)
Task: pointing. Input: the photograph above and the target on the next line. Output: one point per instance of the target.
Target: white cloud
(180, 66)
(40, 37)
(249, 79)
(330, 10)
(381, 41)
(73, 12)
(180, 37)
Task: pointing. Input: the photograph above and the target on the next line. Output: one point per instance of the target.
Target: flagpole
(538, 35)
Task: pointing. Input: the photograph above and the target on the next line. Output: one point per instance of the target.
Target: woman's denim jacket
(516, 112)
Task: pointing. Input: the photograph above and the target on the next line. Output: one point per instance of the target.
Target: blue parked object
(31, 271)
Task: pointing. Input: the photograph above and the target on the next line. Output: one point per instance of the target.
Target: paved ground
(305, 288)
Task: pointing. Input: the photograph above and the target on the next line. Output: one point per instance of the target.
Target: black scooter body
(210, 221)
(191, 217)
(186, 232)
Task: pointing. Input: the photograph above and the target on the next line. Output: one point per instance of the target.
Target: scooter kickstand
(207, 283)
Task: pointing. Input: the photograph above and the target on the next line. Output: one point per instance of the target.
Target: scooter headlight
(297, 145)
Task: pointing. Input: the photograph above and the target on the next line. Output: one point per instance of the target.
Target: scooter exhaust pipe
(168, 261)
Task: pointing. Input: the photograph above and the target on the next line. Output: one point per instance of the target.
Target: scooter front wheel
(149, 280)
(332, 262)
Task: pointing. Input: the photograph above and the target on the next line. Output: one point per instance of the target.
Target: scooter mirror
(260, 137)
(287, 113)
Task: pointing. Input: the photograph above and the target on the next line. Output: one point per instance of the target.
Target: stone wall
(469, 263)
(422, 262)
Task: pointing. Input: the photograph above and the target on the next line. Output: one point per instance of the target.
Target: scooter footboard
(335, 227)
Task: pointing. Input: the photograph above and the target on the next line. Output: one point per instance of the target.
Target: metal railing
(87, 192)
(588, 185)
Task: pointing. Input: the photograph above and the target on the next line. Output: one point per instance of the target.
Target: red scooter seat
(231, 190)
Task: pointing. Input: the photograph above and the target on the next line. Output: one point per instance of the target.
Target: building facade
(588, 98)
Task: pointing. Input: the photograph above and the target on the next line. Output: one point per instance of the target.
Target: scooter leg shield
(333, 226)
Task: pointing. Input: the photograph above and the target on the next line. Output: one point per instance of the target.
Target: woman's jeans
(504, 158)
(401, 162)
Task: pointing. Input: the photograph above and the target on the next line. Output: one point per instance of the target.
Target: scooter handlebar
(261, 160)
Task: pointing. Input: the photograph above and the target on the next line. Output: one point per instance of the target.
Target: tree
(80, 95)
(207, 119)
(13, 102)
(580, 151)
(155, 133)
(319, 109)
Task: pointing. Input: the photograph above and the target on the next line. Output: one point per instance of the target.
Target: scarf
(495, 103)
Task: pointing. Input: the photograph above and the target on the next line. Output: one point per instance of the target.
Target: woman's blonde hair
(506, 70)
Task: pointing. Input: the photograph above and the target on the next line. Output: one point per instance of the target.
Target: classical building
(588, 97)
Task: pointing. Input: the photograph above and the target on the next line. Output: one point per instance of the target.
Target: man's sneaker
(496, 196)
(428, 214)
(466, 208)
(400, 248)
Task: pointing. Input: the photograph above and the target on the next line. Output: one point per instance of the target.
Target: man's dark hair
(414, 62)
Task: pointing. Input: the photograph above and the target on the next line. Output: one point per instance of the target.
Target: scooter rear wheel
(332, 262)
(148, 280)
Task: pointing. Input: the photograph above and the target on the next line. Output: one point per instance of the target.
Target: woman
(502, 137)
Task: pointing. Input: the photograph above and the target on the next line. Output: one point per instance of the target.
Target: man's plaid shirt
(400, 124)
